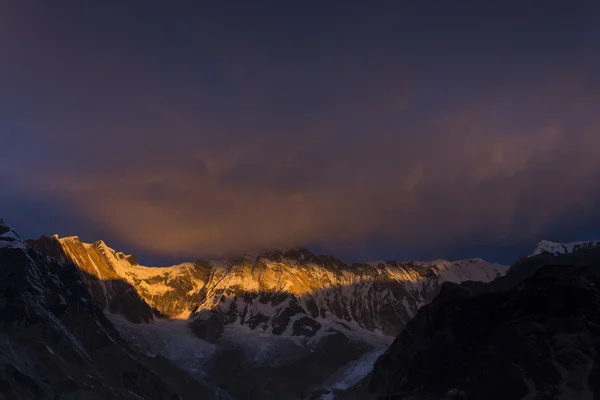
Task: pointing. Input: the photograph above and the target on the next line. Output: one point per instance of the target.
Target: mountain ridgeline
(83, 321)
(293, 293)
(253, 327)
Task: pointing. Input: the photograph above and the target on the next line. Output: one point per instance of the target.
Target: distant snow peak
(546, 246)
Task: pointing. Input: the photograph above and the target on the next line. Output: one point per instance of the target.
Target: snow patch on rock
(546, 246)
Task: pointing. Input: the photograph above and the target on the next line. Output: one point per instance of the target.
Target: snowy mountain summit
(254, 314)
(546, 246)
(213, 319)
(292, 293)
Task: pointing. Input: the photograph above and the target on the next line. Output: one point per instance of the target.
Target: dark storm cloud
(210, 130)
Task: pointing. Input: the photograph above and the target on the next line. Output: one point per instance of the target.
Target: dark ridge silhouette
(535, 331)
(526, 267)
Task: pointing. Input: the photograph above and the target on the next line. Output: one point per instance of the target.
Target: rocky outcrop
(532, 338)
(56, 343)
(208, 325)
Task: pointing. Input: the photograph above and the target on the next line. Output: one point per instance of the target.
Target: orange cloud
(472, 167)
(212, 139)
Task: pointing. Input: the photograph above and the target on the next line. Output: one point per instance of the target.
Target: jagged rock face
(55, 343)
(110, 276)
(292, 293)
(297, 292)
(540, 339)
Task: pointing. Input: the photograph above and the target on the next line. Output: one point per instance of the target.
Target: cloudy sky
(368, 129)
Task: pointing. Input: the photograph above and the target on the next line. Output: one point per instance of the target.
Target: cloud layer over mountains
(176, 137)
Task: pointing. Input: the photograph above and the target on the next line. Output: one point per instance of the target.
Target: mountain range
(81, 320)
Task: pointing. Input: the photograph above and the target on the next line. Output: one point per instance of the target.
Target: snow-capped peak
(546, 246)
(294, 292)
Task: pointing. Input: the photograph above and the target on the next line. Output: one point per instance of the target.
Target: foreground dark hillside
(533, 334)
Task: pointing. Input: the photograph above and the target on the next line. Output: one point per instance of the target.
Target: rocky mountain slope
(264, 320)
(56, 343)
(293, 293)
(296, 325)
(533, 334)
(169, 292)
